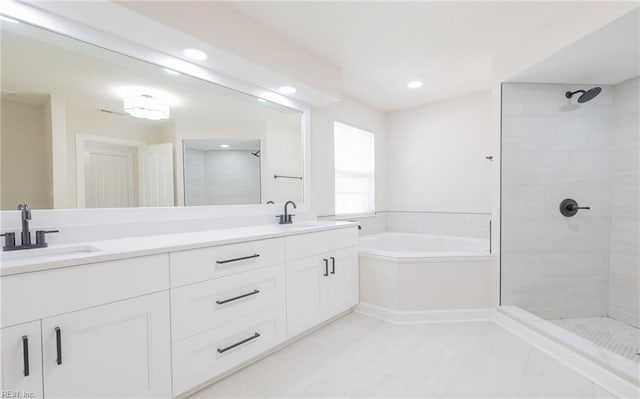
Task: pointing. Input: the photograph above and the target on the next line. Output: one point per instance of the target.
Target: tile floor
(361, 357)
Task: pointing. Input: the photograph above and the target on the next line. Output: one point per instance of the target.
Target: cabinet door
(343, 281)
(306, 293)
(117, 350)
(21, 360)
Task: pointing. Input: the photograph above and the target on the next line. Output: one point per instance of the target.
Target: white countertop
(43, 259)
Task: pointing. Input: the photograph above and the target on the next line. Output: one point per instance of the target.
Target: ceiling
(381, 46)
(608, 56)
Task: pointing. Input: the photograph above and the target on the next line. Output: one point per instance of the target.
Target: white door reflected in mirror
(117, 173)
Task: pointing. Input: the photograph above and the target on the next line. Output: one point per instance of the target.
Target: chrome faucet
(26, 216)
(286, 218)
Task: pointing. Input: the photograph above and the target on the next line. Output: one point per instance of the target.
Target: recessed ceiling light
(224, 146)
(194, 54)
(287, 90)
(414, 84)
(262, 100)
(171, 71)
(7, 19)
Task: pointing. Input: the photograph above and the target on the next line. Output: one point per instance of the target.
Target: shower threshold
(581, 340)
(611, 334)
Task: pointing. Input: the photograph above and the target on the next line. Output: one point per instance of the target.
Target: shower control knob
(569, 207)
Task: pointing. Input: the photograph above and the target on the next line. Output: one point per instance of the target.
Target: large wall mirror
(85, 127)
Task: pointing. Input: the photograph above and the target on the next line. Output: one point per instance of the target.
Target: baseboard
(616, 384)
(426, 316)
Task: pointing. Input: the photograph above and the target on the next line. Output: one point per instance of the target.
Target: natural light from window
(354, 170)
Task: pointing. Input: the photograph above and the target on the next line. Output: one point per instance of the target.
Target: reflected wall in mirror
(84, 127)
(221, 172)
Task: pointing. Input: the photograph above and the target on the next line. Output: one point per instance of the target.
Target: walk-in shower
(570, 222)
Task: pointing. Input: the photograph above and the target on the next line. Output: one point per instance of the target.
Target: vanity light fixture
(287, 90)
(224, 145)
(7, 19)
(146, 107)
(194, 54)
(414, 84)
(171, 71)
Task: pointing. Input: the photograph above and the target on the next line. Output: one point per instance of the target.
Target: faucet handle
(289, 220)
(9, 240)
(40, 237)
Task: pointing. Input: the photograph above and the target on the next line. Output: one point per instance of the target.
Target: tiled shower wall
(624, 259)
(554, 266)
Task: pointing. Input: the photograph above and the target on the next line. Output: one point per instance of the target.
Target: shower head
(586, 95)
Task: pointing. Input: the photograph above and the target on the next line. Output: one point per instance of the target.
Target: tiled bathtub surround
(474, 225)
(554, 266)
(624, 259)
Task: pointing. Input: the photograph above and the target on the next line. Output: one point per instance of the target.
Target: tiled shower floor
(611, 334)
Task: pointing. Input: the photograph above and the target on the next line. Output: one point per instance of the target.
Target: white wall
(436, 156)
(282, 153)
(221, 177)
(26, 163)
(624, 258)
(552, 265)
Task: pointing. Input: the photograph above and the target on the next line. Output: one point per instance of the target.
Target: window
(354, 169)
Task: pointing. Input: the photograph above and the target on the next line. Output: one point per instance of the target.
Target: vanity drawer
(37, 295)
(203, 306)
(304, 245)
(207, 355)
(196, 265)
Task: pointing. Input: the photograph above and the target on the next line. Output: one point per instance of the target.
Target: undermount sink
(301, 225)
(47, 252)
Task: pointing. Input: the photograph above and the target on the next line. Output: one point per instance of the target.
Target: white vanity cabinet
(321, 285)
(111, 351)
(96, 330)
(167, 323)
(21, 359)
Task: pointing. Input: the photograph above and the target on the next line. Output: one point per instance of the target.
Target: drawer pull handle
(244, 341)
(58, 346)
(25, 354)
(326, 267)
(221, 262)
(235, 298)
(333, 265)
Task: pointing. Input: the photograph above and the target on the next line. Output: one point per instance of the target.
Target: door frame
(81, 139)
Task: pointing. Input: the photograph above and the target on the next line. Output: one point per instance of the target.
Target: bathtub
(406, 272)
(410, 245)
